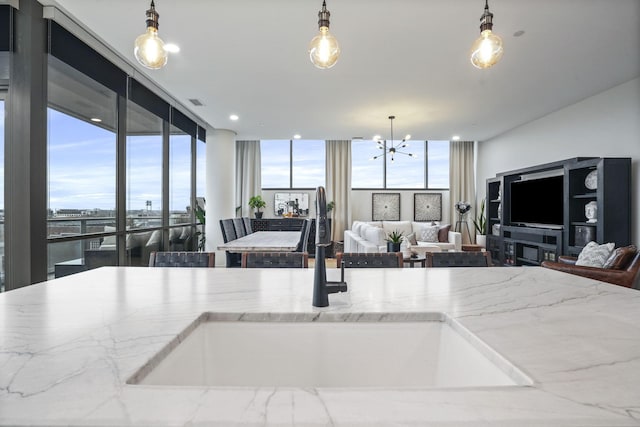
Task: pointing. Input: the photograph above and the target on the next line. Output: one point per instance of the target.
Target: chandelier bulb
(149, 48)
(324, 49)
(487, 50)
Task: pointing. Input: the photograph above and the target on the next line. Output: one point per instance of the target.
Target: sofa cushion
(357, 227)
(594, 255)
(429, 234)
(374, 235)
(620, 258)
(403, 227)
(443, 233)
(411, 238)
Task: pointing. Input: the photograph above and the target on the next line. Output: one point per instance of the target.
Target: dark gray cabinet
(602, 183)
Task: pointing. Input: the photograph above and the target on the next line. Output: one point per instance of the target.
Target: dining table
(264, 241)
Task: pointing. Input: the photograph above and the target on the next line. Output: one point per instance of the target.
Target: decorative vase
(258, 215)
(393, 247)
(481, 240)
(591, 211)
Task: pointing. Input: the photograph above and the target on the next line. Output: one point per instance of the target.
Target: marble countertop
(68, 346)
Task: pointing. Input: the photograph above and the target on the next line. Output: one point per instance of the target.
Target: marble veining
(68, 347)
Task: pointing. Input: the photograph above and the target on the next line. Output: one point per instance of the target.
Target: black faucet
(322, 288)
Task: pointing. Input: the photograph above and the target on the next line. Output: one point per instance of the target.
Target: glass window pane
(1, 192)
(140, 245)
(308, 161)
(438, 164)
(275, 159)
(144, 168)
(65, 258)
(179, 177)
(182, 239)
(81, 149)
(366, 172)
(406, 171)
(201, 168)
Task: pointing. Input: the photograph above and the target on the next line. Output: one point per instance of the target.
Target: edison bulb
(486, 50)
(324, 49)
(149, 49)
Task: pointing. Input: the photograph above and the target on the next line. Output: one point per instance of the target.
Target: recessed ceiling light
(234, 117)
(296, 136)
(95, 119)
(171, 48)
(455, 137)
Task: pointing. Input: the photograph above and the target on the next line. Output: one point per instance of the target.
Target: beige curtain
(462, 185)
(338, 179)
(248, 175)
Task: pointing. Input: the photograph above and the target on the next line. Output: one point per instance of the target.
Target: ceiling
(407, 58)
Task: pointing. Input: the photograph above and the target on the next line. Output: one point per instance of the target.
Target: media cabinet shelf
(521, 245)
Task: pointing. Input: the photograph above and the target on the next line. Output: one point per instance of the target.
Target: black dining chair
(229, 234)
(458, 259)
(247, 224)
(182, 259)
(275, 260)
(238, 225)
(371, 260)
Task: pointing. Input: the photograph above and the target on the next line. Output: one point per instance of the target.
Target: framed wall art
(427, 207)
(385, 206)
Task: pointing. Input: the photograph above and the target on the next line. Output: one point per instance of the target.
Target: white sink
(366, 350)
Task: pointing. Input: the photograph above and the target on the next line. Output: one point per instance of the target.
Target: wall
(361, 208)
(220, 153)
(604, 125)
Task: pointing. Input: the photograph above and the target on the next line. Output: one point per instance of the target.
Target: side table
(411, 261)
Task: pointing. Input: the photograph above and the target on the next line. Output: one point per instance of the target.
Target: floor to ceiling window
(292, 163)
(179, 177)
(427, 169)
(144, 168)
(81, 145)
(2, 96)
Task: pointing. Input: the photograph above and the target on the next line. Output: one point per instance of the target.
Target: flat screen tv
(538, 202)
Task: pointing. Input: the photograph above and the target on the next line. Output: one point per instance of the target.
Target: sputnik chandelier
(389, 146)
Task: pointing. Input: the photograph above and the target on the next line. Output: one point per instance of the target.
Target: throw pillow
(429, 234)
(594, 255)
(620, 258)
(411, 238)
(443, 233)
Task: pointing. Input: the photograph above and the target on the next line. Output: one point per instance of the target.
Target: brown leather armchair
(624, 274)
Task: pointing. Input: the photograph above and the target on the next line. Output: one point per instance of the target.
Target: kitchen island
(69, 346)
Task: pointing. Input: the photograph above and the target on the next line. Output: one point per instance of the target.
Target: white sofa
(369, 237)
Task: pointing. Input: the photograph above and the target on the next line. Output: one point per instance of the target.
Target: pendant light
(487, 49)
(324, 49)
(392, 149)
(149, 48)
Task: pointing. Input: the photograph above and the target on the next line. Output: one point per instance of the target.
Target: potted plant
(480, 223)
(394, 239)
(330, 206)
(257, 203)
(201, 217)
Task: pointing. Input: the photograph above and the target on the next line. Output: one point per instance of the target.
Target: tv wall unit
(529, 244)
